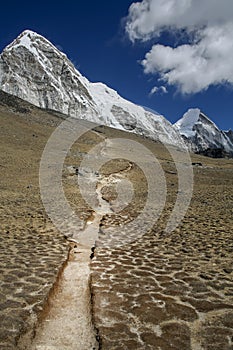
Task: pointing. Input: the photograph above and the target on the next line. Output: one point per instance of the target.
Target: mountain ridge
(35, 70)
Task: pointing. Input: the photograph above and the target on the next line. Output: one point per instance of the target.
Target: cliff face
(229, 133)
(203, 136)
(33, 69)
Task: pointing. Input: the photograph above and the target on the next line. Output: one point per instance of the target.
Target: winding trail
(68, 324)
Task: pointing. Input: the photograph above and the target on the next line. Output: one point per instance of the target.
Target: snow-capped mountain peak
(35, 70)
(202, 134)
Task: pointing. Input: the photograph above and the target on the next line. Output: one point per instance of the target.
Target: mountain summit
(202, 135)
(35, 70)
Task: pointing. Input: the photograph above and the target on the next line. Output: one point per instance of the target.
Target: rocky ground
(171, 291)
(161, 291)
(32, 252)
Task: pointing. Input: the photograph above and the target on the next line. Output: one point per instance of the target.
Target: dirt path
(68, 326)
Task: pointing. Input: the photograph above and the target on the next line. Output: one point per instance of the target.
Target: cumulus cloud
(206, 59)
(158, 89)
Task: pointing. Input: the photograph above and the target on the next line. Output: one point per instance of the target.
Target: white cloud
(154, 90)
(158, 89)
(205, 60)
(163, 89)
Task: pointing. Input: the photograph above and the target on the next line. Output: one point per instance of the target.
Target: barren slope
(169, 291)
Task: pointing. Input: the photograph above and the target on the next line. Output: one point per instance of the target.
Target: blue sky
(93, 36)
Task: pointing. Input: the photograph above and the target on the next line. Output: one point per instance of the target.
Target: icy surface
(185, 125)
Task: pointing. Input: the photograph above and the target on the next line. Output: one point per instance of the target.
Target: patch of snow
(151, 110)
(186, 123)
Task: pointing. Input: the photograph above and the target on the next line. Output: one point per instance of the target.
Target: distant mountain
(203, 136)
(35, 70)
